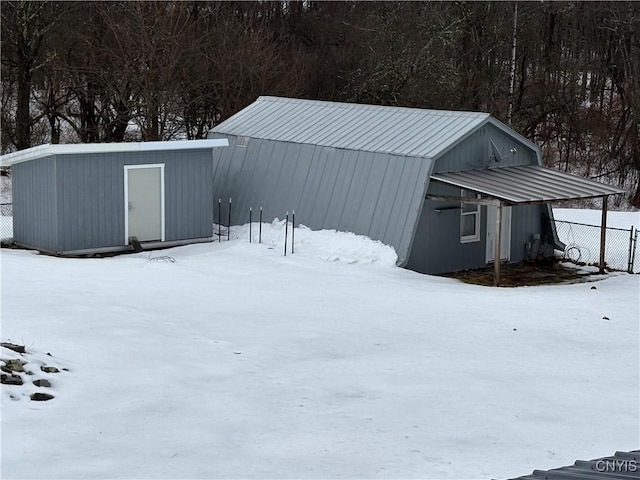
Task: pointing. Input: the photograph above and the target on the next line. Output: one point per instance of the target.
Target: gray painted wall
(474, 152)
(375, 194)
(436, 246)
(85, 198)
(443, 252)
(35, 220)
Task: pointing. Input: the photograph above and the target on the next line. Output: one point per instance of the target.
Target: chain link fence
(6, 222)
(583, 245)
(6, 207)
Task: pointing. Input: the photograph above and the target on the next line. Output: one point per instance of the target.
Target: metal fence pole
(229, 222)
(632, 260)
(603, 233)
(286, 226)
(293, 230)
(629, 263)
(250, 218)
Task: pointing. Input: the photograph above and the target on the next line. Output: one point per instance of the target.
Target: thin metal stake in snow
(250, 215)
(219, 219)
(293, 229)
(260, 228)
(286, 225)
(229, 222)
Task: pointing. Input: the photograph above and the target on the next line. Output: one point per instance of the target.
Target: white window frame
(475, 214)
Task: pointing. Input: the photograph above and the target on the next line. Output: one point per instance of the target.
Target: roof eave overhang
(48, 150)
(525, 185)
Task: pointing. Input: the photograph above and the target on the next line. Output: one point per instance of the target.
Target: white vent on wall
(242, 141)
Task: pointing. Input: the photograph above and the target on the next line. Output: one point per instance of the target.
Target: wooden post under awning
(496, 247)
(603, 232)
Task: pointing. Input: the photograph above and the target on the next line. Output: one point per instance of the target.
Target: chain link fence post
(582, 245)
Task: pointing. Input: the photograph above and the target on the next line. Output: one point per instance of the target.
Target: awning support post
(603, 232)
(496, 247)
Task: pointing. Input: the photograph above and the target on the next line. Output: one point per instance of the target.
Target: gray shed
(436, 185)
(92, 198)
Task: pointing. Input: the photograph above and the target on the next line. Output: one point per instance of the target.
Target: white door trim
(505, 233)
(126, 197)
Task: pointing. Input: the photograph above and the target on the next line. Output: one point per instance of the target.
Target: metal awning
(522, 185)
(527, 184)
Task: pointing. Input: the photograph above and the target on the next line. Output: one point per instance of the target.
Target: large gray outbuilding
(91, 198)
(448, 190)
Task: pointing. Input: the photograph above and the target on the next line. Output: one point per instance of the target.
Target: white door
(144, 202)
(505, 233)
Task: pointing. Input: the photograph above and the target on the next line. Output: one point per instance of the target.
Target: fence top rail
(596, 226)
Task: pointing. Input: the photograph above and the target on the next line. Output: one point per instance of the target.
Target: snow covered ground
(593, 217)
(229, 360)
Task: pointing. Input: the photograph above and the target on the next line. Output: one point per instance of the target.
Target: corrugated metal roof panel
(527, 184)
(373, 128)
(621, 466)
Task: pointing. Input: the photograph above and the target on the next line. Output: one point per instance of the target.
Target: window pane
(468, 225)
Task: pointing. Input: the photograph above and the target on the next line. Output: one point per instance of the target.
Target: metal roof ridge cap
(367, 106)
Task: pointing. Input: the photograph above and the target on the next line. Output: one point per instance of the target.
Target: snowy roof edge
(48, 149)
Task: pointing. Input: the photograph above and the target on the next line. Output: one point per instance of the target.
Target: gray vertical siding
(527, 221)
(436, 247)
(474, 152)
(35, 217)
(443, 251)
(375, 194)
(90, 196)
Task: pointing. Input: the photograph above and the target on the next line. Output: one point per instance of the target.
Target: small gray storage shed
(91, 198)
(448, 190)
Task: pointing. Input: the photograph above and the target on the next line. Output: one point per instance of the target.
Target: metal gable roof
(527, 184)
(396, 130)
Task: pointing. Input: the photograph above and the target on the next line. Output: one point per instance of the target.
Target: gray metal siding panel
(436, 247)
(90, 183)
(473, 153)
(373, 194)
(314, 211)
(35, 219)
(526, 221)
(188, 193)
(91, 196)
(301, 175)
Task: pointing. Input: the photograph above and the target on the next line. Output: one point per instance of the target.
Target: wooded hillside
(564, 74)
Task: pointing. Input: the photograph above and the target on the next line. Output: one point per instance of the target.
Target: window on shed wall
(469, 219)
